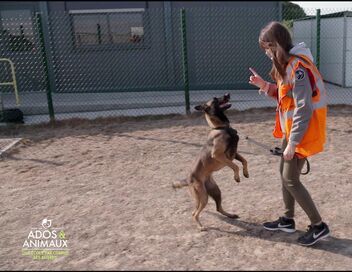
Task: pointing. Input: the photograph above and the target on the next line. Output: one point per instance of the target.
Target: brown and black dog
(218, 152)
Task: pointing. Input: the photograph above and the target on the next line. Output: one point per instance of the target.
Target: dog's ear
(203, 107)
(199, 107)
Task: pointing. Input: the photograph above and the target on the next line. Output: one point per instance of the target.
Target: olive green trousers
(293, 190)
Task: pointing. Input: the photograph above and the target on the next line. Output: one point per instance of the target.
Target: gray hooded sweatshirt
(302, 95)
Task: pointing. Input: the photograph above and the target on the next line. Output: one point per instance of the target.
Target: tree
(290, 12)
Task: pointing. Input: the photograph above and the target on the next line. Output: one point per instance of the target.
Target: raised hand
(256, 79)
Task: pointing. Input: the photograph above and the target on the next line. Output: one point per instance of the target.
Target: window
(17, 30)
(108, 27)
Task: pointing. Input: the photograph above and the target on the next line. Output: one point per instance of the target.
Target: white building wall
(302, 32)
(331, 50)
(331, 45)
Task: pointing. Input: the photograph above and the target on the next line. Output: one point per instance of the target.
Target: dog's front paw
(245, 173)
(237, 178)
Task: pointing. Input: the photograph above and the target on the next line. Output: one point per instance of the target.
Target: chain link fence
(157, 61)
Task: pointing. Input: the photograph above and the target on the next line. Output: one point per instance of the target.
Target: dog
(218, 152)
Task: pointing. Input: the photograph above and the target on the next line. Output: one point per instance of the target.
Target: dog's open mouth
(223, 103)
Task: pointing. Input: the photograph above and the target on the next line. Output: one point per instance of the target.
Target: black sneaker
(314, 234)
(283, 224)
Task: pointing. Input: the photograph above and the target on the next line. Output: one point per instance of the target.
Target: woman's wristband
(265, 89)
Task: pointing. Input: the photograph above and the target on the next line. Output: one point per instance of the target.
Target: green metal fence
(157, 61)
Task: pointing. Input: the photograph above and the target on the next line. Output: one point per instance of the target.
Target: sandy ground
(108, 184)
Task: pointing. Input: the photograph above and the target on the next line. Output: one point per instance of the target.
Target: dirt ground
(108, 184)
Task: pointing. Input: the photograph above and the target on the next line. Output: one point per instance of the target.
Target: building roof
(346, 13)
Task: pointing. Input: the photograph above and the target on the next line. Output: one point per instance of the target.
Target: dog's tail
(180, 184)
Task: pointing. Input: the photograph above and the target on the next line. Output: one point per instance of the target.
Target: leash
(276, 151)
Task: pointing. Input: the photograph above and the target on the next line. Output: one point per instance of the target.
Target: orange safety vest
(314, 137)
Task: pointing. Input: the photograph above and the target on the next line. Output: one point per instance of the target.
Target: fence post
(185, 59)
(99, 33)
(344, 50)
(46, 67)
(318, 39)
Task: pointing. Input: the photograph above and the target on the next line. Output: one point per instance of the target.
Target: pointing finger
(253, 71)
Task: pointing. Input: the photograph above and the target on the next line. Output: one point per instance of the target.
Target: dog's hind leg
(194, 194)
(202, 195)
(214, 191)
(244, 163)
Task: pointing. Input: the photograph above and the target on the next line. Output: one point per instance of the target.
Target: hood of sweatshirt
(302, 49)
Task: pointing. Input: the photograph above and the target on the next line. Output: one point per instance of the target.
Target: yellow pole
(14, 81)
